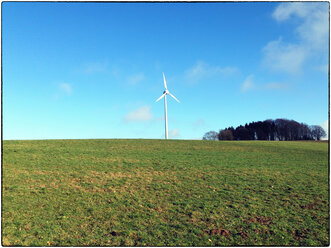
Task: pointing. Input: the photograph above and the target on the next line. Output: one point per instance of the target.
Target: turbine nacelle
(166, 91)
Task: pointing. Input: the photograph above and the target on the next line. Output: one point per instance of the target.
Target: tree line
(279, 129)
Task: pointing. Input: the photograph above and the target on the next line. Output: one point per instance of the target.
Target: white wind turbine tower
(165, 93)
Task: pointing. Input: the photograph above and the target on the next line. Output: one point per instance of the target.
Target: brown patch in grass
(210, 187)
(96, 181)
(313, 205)
(36, 172)
(107, 159)
(54, 185)
(132, 174)
(6, 242)
(219, 231)
(243, 234)
(160, 209)
(27, 227)
(260, 219)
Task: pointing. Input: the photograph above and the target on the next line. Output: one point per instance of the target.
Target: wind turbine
(165, 93)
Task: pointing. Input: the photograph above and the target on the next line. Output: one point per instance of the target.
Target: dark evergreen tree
(225, 134)
(279, 129)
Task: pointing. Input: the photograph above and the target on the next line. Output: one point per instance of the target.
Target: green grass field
(164, 193)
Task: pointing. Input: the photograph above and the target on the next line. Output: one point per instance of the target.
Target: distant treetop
(279, 129)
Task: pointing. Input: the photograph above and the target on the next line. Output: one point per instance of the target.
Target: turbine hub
(166, 92)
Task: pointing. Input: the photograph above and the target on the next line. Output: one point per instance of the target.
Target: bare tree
(305, 133)
(211, 135)
(317, 132)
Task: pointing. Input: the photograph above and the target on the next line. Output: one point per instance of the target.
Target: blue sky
(94, 70)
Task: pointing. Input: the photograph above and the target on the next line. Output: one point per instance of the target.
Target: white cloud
(141, 114)
(280, 56)
(325, 126)
(285, 10)
(312, 35)
(202, 70)
(66, 88)
(136, 78)
(314, 27)
(248, 84)
(174, 133)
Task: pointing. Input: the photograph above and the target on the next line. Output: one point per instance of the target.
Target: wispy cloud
(276, 86)
(94, 67)
(199, 123)
(142, 114)
(284, 57)
(66, 88)
(313, 29)
(325, 126)
(312, 33)
(202, 70)
(286, 10)
(136, 78)
(248, 84)
(62, 89)
(174, 133)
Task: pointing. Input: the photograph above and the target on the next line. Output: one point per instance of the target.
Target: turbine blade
(174, 97)
(165, 83)
(160, 97)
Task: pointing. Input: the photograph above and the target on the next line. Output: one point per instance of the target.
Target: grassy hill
(164, 193)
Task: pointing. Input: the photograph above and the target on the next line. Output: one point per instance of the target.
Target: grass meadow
(165, 193)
